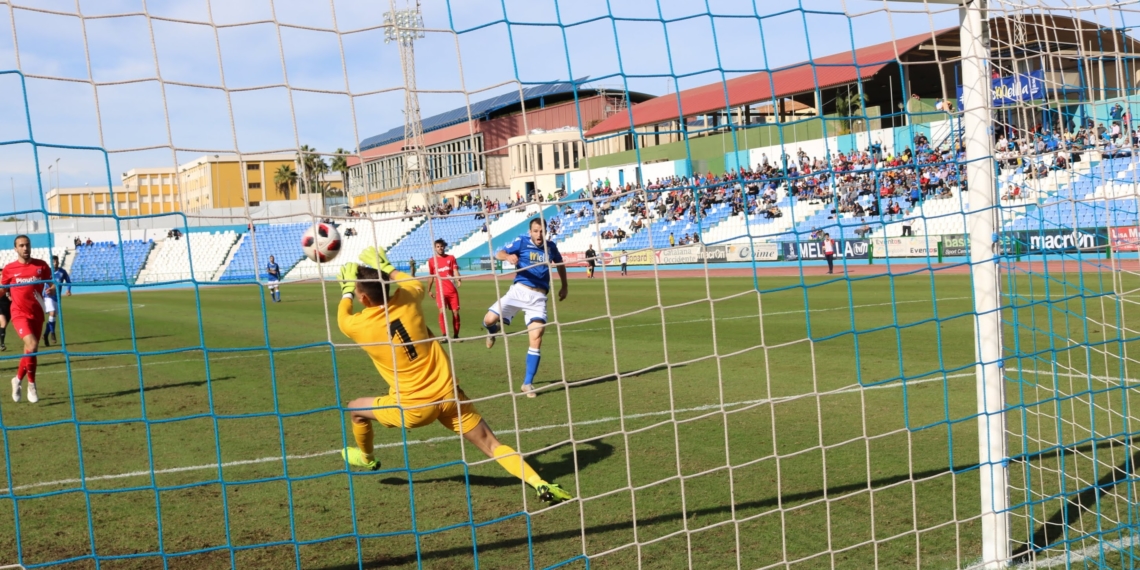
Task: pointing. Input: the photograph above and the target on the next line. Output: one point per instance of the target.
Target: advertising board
(956, 245)
(917, 246)
(813, 250)
(1124, 239)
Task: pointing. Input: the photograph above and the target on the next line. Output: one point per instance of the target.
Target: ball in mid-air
(321, 242)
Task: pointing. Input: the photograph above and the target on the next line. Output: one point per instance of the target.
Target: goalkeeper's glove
(347, 278)
(378, 258)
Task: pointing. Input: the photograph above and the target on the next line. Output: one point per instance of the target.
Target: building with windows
(142, 191)
(227, 181)
(898, 83)
(214, 181)
(540, 160)
(470, 147)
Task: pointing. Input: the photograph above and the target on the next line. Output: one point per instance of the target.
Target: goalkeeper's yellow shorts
(452, 414)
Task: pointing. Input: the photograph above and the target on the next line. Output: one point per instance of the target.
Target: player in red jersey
(446, 271)
(27, 309)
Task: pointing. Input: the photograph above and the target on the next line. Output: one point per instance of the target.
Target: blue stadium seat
(107, 262)
(283, 241)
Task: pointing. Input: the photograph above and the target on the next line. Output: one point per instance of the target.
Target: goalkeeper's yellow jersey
(396, 337)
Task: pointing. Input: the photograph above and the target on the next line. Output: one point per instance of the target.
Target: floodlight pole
(405, 26)
(984, 248)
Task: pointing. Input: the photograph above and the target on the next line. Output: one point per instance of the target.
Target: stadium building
(1077, 62)
(471, 147)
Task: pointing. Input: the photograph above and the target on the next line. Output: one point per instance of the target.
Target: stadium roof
(481, 110)
(803, 77)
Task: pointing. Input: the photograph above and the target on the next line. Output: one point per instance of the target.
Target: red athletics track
(860, 268)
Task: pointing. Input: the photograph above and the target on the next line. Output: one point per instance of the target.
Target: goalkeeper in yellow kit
(422, 389)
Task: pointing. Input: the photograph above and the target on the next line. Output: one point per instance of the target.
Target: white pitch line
(568, 329)
(442, 439)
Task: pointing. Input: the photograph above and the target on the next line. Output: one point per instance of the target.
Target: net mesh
(727, 403)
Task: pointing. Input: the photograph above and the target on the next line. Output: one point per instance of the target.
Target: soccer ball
(321, 242)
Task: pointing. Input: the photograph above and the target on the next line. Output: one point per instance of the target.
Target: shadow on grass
(606, 378)
(1051, 531)
(86, 342)
(589, 453)
(89, 398)
(1086, 502)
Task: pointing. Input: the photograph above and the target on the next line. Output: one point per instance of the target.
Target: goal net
(848, 284)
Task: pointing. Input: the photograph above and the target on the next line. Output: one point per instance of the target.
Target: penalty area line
(451, 438)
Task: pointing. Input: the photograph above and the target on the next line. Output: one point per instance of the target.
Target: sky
(155, 82)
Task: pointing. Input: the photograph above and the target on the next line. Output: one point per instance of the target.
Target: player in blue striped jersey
(533, 255)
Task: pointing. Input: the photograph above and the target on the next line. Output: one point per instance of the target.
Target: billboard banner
(812, 250)
(956, 245)
(691, 254)
(754, 252)
(1059, 241)
(1124, 239)
(923, 246)
(1014, 89)
(578, 258)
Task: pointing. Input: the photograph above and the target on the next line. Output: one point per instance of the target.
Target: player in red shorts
(446, 271)
(27, 309)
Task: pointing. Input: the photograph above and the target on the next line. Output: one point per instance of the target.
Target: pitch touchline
(442, 439)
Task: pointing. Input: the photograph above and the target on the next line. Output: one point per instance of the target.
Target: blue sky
(346, 87)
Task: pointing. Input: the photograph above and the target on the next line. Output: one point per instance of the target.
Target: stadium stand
(579, 237)
(281, 241)
(9, 255)
(453, 227)
(107, 262)
(1105, 196)
(172, 258)
(356, 235)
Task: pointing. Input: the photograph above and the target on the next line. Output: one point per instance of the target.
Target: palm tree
(284, 178)
(312, 167)
(848, 106)
(340, 164)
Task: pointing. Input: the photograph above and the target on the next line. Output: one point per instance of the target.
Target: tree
(312, 167)
(848, 106)
(284, 178)
(340, 164)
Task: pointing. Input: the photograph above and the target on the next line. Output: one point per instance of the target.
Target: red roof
(828, 71)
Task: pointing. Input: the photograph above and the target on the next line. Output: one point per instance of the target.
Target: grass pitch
(698, 432)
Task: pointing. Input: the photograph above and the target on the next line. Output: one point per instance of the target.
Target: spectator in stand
(672, 240)
(864, 230)
(412, 265)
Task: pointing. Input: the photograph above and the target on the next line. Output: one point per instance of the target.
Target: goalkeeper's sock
(363, 434)
(533, 357)
(514, 463)
(3, 333)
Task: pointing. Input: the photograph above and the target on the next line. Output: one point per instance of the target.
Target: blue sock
(532, 359)
(492, 328)
(51, 327)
